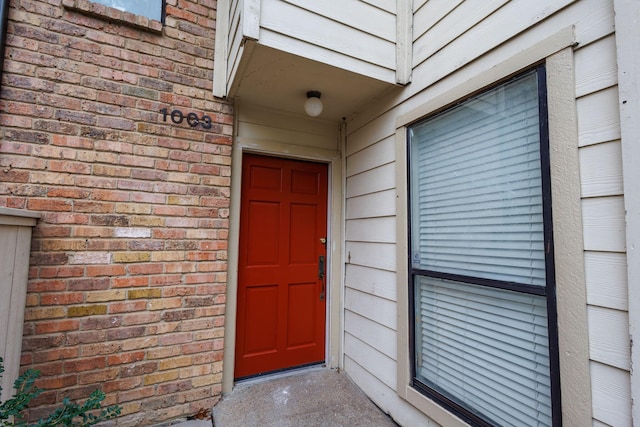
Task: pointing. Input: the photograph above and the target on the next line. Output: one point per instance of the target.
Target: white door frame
(334, 244)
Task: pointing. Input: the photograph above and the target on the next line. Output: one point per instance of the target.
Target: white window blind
(476, 188)
(485, 348)
(477, 213)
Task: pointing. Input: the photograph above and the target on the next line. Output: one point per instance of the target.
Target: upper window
(481, 258)
(150, 8)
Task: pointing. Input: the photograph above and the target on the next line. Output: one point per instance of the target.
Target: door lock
(321, 276)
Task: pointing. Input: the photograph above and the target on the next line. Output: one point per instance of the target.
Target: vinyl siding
(454, 41)
(604, 230)
(257, 127)
(355, 35)
(234, 42)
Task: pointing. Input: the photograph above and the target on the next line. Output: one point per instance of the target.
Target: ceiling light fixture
(313, 105)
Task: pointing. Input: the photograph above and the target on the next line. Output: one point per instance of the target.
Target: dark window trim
(549, 290)
(163, 12)
(489, 283)
(547, 214)
(4, 22)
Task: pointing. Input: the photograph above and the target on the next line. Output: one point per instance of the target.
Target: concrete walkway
(312, 397)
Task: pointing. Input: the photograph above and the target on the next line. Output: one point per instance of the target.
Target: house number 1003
(193, 120)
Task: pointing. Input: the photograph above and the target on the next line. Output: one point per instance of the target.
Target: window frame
(556, 50)
(548, 291)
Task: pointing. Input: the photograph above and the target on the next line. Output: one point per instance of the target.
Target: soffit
(279, 80)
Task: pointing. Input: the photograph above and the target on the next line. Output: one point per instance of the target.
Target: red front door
(281, 293)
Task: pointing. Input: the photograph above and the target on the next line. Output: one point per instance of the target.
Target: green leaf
(70, 414)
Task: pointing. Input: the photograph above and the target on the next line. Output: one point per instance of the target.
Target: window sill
(127, 18)
(433, 410)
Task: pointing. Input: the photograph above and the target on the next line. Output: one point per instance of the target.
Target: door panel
(261, 304)
(300, 322)
(265, 220)
(281, 308)
(302, 232)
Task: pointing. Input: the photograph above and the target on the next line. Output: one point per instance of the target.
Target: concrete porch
(309, 397)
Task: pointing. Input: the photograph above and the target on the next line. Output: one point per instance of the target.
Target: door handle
(321, 276)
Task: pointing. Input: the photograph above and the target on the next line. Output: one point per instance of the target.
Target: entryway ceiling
(279, 80)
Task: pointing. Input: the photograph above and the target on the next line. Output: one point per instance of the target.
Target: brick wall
(128, 265)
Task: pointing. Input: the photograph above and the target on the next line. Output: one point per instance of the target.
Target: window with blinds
(481, 257)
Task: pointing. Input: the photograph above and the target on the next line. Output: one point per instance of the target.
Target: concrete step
(314, 397)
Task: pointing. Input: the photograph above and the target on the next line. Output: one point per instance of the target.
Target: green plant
(70, 414)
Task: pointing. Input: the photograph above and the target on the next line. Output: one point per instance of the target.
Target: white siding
(598, 117)
(377, 364)
(381, 256)
(384, 396)
(603, 221)
(354, 35)
(454, 41)
(374, 230)
(372, 205)
(372, 332)
(594, 76)
(601, 170)
(477, 37)
(255, 126)
(372, 307)
(606, 277)
(609, 343)
(378, 179)
(371, 157)
(591, 20)
(604, 230)
(611, 393)
(234, 40)
(371, 281)
(453, 22)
